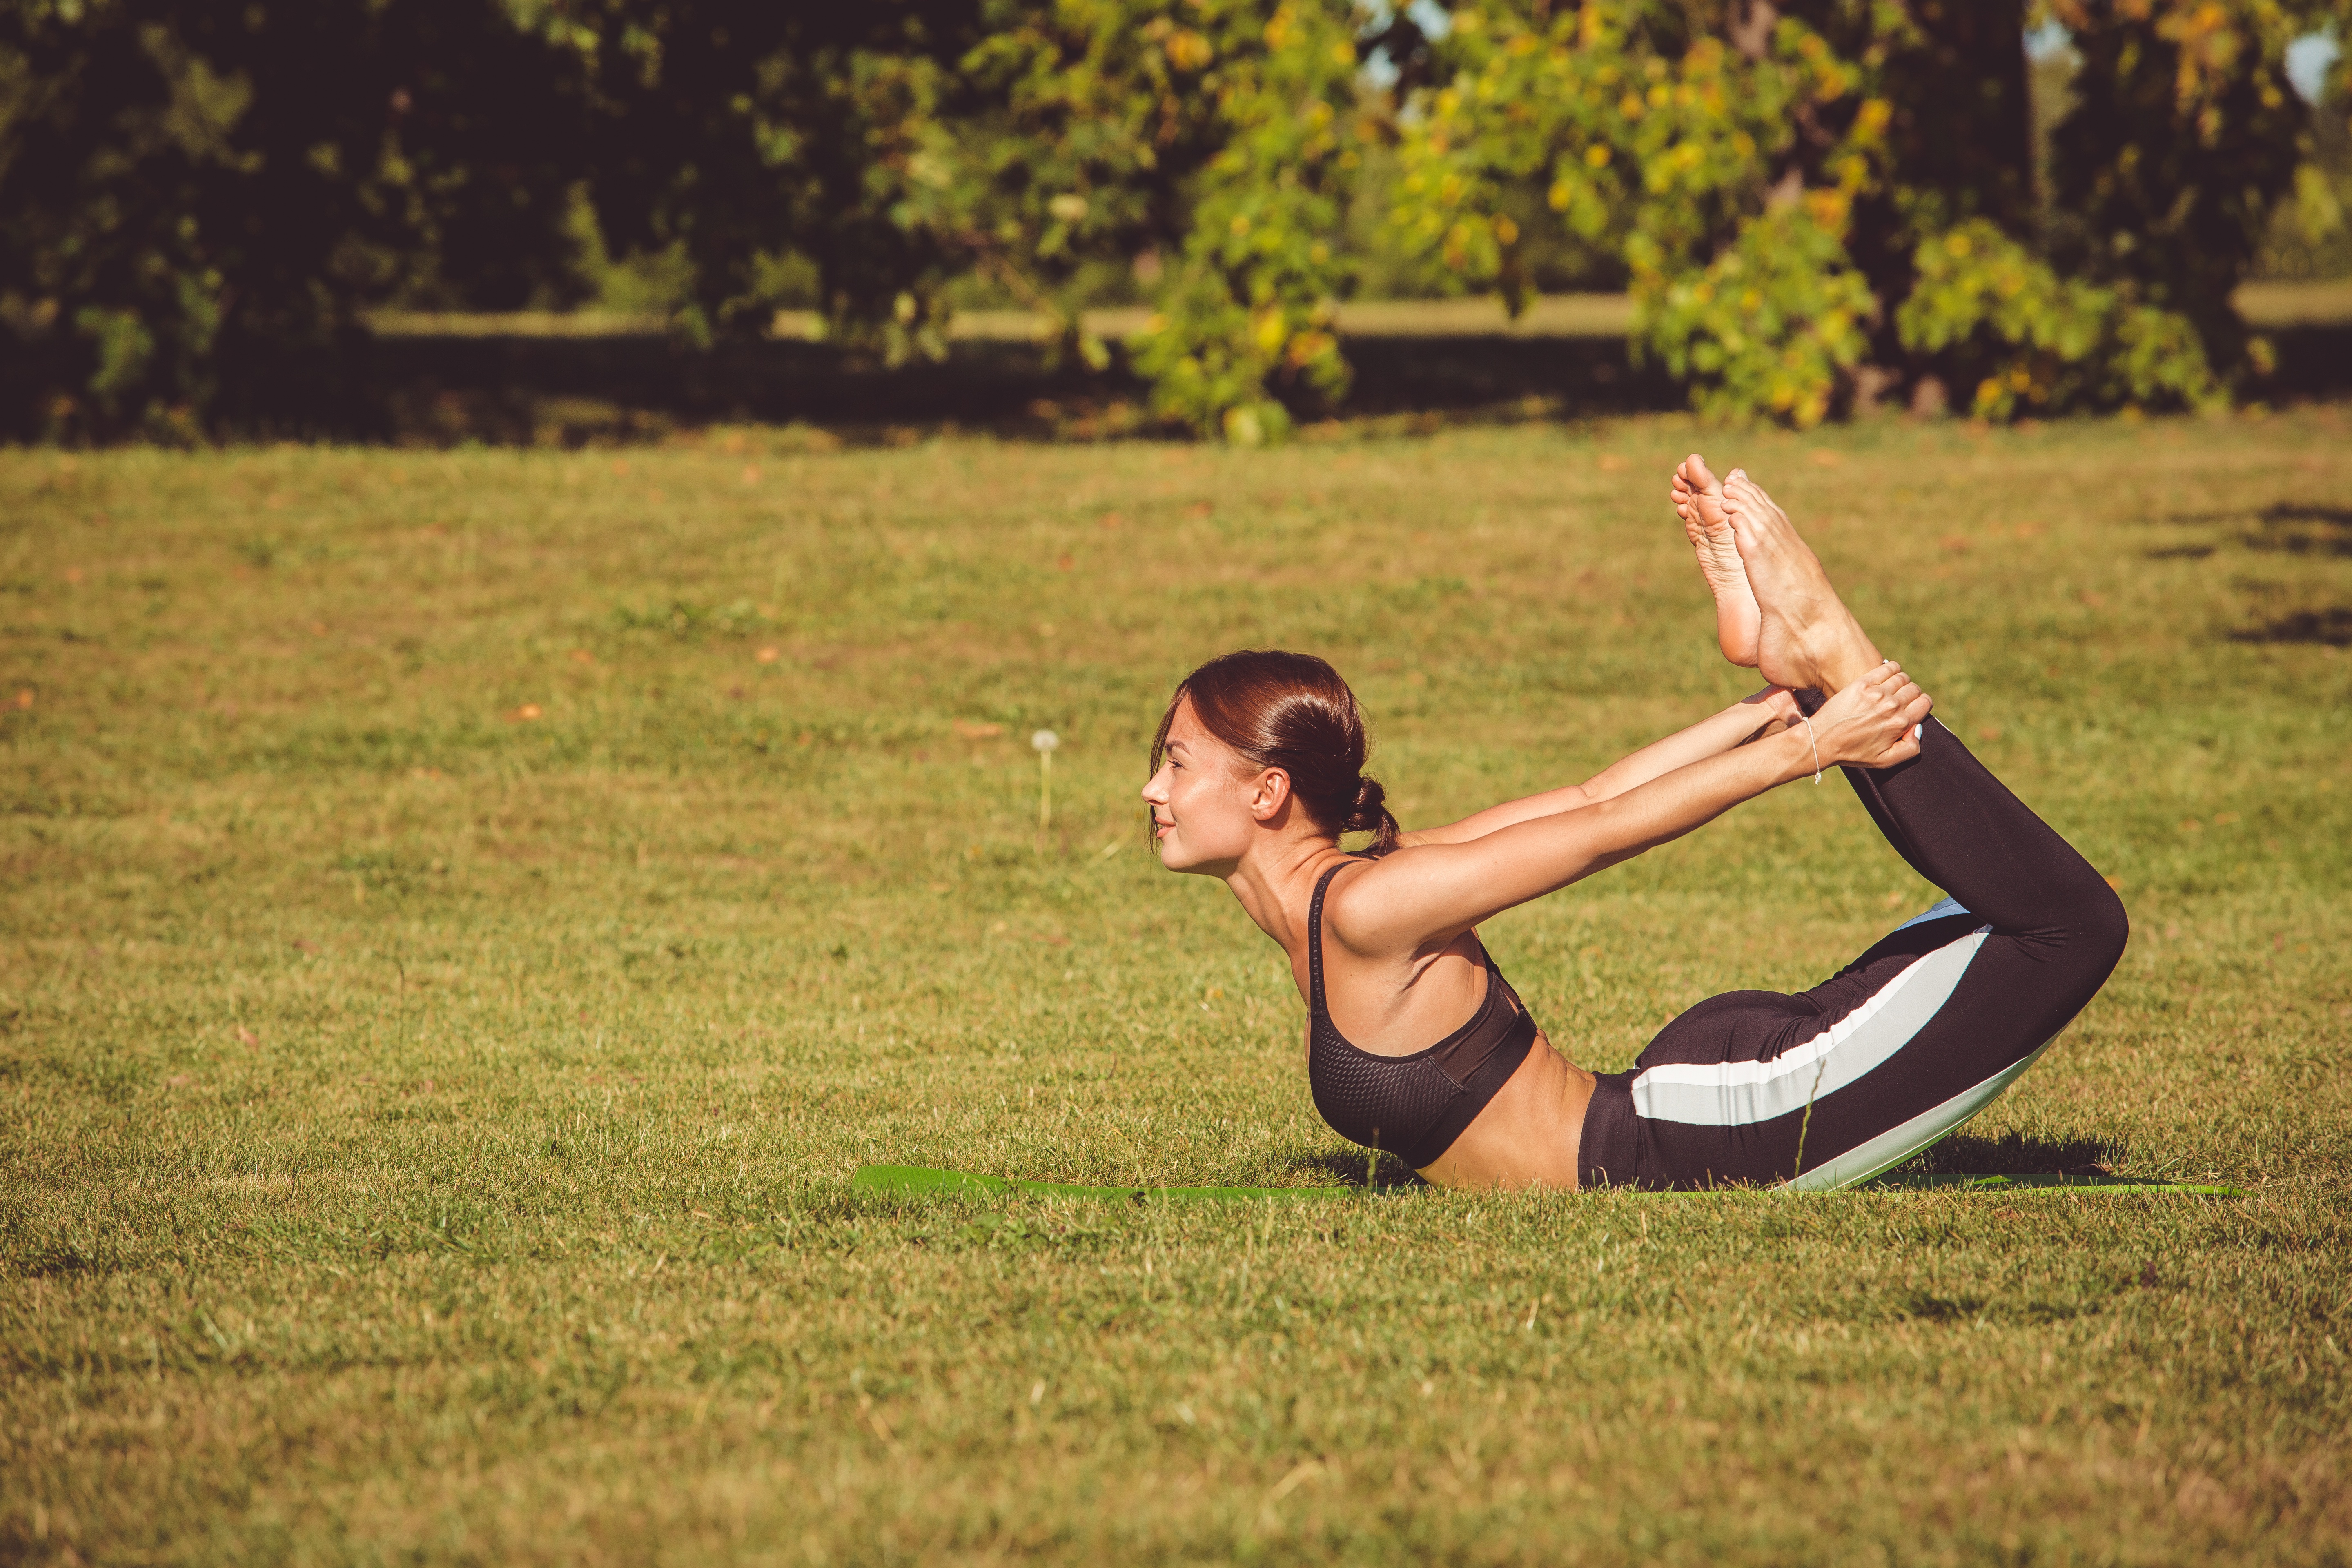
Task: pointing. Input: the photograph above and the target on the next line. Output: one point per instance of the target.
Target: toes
(1695, 468)
(1763, 500)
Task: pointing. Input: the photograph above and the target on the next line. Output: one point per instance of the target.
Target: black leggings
(1835, 1084)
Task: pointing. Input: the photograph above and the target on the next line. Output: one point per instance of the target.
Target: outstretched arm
(1425, 895)
(1746, 720)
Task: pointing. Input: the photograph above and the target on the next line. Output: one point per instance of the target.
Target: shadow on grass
(2301, 527)
(1963, 1153)
(525, 390)
(2282, 527)
(2331, 627)
(2289, 512)
(616, 390)
(2015, 1154)
(1380, 1173)
(519, 388)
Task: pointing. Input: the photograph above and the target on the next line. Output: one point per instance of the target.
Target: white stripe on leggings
(1897, 1144)
(1732, 1094)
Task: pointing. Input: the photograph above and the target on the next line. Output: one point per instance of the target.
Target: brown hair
(1292, 711)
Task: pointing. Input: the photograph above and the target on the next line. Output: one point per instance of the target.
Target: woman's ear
(1273, 791)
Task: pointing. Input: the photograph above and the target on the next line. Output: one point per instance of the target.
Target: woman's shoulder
(1363, 893)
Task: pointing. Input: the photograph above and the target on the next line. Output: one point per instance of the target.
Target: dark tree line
(1815, 202)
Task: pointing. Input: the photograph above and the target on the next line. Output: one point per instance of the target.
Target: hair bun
(1368, 811)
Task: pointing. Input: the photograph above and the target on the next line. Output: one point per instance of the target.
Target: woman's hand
(1870, 724)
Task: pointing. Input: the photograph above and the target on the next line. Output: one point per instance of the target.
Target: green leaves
(1768, 327)
(196, 200)
(1724, 178)
(2005, 323)
(189, 225)
(1220, 131)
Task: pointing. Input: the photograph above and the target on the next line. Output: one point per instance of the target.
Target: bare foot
(1807, 637)
(1699, 502)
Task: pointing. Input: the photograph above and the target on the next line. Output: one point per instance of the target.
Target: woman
(1258, 771)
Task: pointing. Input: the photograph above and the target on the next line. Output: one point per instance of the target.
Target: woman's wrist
(1768, 713)
(1774, 704)
(1803, 750)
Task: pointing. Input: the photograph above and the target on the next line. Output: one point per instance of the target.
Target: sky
(2308, 58)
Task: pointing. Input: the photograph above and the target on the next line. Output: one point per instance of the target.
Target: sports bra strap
(1315, 947)
(1415, 1105)
(1314, 939)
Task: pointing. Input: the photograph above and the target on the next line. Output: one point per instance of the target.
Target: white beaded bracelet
(1815, 739)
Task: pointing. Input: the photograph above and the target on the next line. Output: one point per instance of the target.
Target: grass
(467, 915)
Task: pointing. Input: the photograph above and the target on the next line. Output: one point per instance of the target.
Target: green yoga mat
(916, 1180)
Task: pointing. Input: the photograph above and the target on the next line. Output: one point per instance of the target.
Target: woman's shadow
(2015, 1154)
(1962, 1154)
(1369, 1170)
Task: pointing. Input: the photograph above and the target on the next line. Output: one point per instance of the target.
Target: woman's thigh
(1885, 1057)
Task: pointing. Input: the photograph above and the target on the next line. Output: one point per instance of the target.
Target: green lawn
(467, 915)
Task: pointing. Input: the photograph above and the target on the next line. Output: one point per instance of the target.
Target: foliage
(1099, 116)
(196, 198)
(1728, 172)
(1990, 314)
(1034, 142)
(2185, 134)
(1841, 146)
(1769, 325)
(2312, 236)
(1632, 128)
(734, 136)
(195, 205)
(1253, 299)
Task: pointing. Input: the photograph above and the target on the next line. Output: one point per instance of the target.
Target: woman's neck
(1268, 880)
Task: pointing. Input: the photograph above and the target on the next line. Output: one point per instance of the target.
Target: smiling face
(1207, 807)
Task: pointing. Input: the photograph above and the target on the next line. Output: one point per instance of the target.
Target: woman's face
(1206, 810)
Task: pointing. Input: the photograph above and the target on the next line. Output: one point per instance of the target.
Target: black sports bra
(1414, 1106)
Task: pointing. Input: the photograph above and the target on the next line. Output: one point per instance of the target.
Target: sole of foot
(1697, 496)
(1805, 636)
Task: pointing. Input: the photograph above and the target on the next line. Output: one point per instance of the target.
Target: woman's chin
(1174, 857)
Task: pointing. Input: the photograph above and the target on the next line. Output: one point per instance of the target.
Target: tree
(196, 199)
(1815, 201)
(1825, 200)
(1036, 141)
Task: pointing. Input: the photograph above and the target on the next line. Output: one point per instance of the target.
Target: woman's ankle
(1856, 657)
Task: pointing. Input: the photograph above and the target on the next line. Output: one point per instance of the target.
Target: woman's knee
(2097, 929)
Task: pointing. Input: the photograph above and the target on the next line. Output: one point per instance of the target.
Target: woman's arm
(1426, 895)
(1744, 720)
